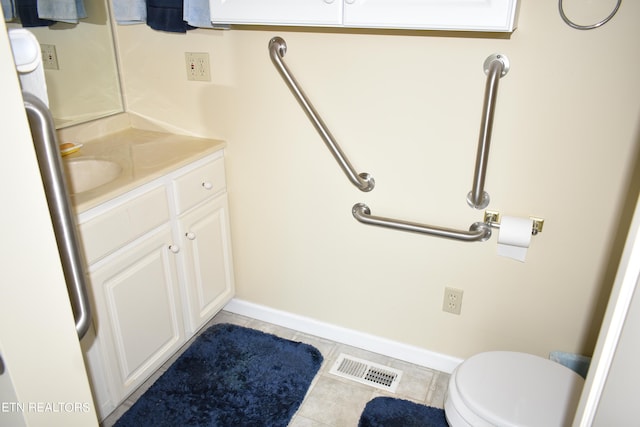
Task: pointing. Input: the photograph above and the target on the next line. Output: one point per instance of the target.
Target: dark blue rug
(229, 376)
(390, 412)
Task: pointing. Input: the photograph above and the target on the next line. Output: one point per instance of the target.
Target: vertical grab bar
(46, 147)
(277, 50)
(495, 66)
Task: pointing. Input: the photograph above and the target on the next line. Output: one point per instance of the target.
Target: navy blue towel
(27, 11)
(167, 15)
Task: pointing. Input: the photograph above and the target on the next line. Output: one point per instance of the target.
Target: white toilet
(510, 389)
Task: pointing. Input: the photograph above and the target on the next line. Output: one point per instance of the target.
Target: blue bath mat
(390, 412)
(229, 376)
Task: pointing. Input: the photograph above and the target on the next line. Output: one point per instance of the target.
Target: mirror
(86, 85)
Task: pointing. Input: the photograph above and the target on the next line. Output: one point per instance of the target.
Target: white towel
(62, 10)
(128, 12)
(196, 13)
(28, 59)
(9, 10)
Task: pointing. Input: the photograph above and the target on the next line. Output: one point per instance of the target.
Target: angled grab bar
(478, 232)
(495, 66)
(277, 50)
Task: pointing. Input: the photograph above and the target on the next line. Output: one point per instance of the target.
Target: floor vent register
(366, 372)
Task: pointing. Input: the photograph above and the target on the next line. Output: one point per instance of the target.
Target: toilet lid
(509, 389)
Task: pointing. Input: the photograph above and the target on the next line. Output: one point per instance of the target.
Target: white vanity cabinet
(160, 267)
(138, 313)
(462, 15)
(203, 230)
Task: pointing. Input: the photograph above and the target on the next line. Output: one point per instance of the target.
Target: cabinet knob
(350, 1)
(174, 248)
(207, 185)
(328, 1)
(190, 235)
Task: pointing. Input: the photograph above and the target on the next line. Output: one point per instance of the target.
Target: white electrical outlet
(49, 57)
(198, 66)
(452, 300)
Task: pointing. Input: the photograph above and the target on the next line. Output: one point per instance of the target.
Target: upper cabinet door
(277, 12)
(455, 15)
(464, 15)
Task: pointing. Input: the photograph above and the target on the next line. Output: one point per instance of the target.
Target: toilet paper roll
(514, 237)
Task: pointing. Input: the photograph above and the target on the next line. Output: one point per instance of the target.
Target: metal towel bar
(495, 66)
(478, 232)
(277, 50)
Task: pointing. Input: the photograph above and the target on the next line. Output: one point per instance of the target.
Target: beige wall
(406, 107)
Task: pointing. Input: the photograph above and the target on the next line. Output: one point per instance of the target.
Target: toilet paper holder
(492, 218)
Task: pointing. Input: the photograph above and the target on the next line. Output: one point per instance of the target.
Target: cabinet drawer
(195, 186)
(121, 225)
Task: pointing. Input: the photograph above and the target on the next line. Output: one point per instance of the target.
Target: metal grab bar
(478, 232)
(50, 163)
(277, 50)
(495, 66)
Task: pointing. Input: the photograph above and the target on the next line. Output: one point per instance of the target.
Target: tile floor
(331, 401)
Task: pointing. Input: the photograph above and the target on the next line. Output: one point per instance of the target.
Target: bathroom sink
(87, 174)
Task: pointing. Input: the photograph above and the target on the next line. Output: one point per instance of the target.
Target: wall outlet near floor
(49, 57)
(452, 300)
(198, 66)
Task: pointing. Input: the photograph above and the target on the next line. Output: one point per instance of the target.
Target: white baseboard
(396, 350)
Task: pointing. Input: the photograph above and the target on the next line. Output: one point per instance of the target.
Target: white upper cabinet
(455, 15)
(277, 12)
(465, 15)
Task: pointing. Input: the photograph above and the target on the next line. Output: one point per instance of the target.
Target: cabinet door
(207, 262)
(138, 314)
(275, 12)
(476, 15)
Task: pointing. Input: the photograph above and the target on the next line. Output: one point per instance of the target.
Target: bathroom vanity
(157, 245)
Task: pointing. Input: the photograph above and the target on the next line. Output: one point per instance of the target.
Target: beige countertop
(143, 156)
